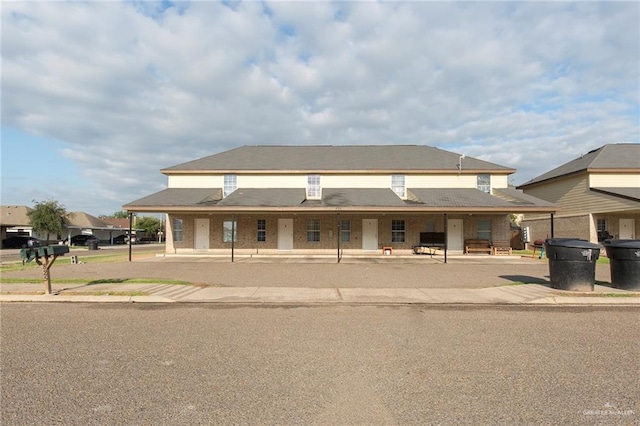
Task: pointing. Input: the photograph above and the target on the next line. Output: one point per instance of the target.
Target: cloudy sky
(98, 96)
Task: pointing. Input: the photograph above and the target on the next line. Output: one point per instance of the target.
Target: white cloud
(130, 88)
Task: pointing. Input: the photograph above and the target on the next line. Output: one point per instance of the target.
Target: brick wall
(247, 231)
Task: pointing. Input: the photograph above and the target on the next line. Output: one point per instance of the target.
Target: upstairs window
(230, 184)
(397, 185)
(313, 187)
(484, 183)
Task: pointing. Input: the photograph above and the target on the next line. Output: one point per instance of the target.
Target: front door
(202, 234)
(369, 234)
(454, 235)
(285, 234)
(627, 229)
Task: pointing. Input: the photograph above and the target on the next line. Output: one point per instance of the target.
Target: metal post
(446, 238)
(552, 230)
(130, 233)
(339, 228)
(233, 236)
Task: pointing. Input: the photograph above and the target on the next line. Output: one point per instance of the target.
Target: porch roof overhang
(629, 193)
(374, 200)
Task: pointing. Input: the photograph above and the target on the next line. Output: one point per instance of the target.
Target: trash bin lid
(571, 242)
(627, 244)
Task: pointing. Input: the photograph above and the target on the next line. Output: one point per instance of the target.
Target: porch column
(233, 235)
(446, 238)
(130, 226)
(552, 232)
(339, 228)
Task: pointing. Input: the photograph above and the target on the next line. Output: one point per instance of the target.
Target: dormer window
(484, 183)
(314, 190)
(230, 184)
(397, 185)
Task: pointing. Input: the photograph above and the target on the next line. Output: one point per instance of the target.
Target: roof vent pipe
(459, 165)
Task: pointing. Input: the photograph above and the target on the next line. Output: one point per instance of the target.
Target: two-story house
(597, 195)
(314, 199)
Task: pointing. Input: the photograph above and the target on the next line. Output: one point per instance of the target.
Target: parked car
(82, 240)
(124, 239)
(20, 241)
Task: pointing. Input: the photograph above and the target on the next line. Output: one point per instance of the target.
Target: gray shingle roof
(457, 197)
(265, 197)
(335, 158)
(294, 198)
(14, 215)
(517, 197)
(622, 156)
(179, 197)
(360, 197)
(630, 193)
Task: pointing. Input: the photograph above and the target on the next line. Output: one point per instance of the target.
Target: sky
(97, 97)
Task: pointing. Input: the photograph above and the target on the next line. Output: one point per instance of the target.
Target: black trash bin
(92, 244)
(624, 262)
(572, 263)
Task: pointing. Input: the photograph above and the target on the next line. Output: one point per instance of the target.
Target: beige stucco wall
(333, 181)
(614, 180)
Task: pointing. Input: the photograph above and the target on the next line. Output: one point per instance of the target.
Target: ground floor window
(229, 231)
(431, 225)
(602, 224)
(397, 231)
(313, 230)
(178, 227)
(484, 229)
(345, 231)
(603, 232)
(262, 230)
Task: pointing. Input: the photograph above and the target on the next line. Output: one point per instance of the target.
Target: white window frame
(398, 230)
(227, 226)
(481, 185)
(178, 230)
(261, 226)
(313, 231)
(484, 233)
(314, 188)
(398, 185)
(230, 185)
(345, 231)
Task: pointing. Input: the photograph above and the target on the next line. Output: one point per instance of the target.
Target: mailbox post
(45, 257)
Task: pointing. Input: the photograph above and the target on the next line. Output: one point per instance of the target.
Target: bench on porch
(501, 247)
(429, 243)
(477, 246)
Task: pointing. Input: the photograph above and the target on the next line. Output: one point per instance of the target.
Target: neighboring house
(597, 195)
(84, 223)
(15, 221)
(316, 199)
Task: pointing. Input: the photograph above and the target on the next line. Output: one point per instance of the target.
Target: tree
(48, 217)
(120, 214)
(149, 224)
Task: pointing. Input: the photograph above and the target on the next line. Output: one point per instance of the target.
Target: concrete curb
(334, 299)
(83, 299)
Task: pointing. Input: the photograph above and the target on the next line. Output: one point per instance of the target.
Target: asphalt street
(205, 364)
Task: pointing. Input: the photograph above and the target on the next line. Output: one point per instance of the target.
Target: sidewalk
(524, 294)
